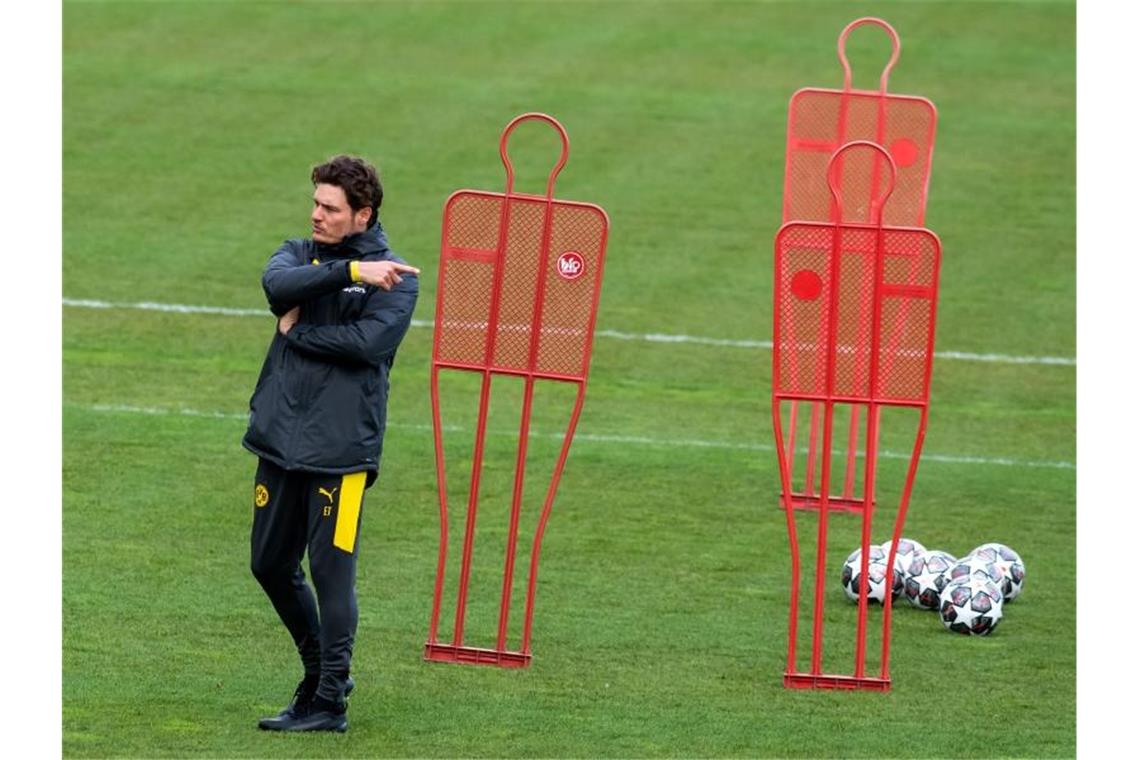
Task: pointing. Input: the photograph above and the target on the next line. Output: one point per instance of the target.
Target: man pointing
(344, 302)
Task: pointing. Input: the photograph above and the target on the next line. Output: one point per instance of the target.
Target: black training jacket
(321, 400)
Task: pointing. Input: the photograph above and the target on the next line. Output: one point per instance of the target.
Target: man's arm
(372, 339)
(290, 280)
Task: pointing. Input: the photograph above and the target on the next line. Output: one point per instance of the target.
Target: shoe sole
(339, 728)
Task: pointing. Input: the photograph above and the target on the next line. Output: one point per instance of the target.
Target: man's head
(346, 197)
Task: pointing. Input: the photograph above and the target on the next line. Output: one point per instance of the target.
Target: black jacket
(321, 401)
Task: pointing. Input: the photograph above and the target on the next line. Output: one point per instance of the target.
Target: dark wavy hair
(358, 179)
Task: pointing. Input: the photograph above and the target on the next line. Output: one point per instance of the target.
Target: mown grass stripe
(635, 440)
(176, 308)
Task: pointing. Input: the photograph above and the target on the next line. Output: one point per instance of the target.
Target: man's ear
(363, 217)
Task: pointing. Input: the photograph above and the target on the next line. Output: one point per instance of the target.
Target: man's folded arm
(369, 340)
(289, 280)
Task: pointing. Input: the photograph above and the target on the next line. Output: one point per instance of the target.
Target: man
(343, 303)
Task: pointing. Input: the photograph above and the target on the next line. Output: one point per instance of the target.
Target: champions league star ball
(972, 566)
(908, 550)
(876, 575)
(926, 576)
(1009, 562)
(971, 606)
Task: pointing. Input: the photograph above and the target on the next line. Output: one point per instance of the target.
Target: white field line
(633, 440)
(614, 334)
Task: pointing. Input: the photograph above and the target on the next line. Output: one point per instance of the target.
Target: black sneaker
(300, 705)
(297, 707)
(322, 715)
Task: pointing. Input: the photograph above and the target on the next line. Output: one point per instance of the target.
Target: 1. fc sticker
(571, 265)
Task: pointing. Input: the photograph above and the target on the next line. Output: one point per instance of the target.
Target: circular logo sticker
(571, 265)
(806, 285)
(904, 151)
(260, 495)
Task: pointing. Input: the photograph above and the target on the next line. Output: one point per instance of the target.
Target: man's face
(332, 218)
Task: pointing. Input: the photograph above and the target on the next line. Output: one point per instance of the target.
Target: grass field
(661, 624)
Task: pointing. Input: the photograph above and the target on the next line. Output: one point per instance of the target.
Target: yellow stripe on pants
(348, 510)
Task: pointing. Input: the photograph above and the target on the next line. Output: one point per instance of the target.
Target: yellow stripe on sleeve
(348, 511)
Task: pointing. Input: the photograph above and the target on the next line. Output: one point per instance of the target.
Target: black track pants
(295, 511)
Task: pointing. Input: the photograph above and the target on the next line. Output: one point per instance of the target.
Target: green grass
(661, 623)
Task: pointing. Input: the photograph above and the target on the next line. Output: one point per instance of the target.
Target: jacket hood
(358, 244)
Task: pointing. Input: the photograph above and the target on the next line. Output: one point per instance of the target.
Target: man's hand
(383, 274)
(285, 323)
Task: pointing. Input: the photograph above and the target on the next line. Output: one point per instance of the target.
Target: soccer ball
(973, 566)
(1009, 562)
(971, 606)
(876, 575)
(908, 550)
(926, 576)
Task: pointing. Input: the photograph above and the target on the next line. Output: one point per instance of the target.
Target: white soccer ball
(876, 575)
(908, 550)
(1009, 562)
(973, 566)
(971, 606)
(926, 576)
